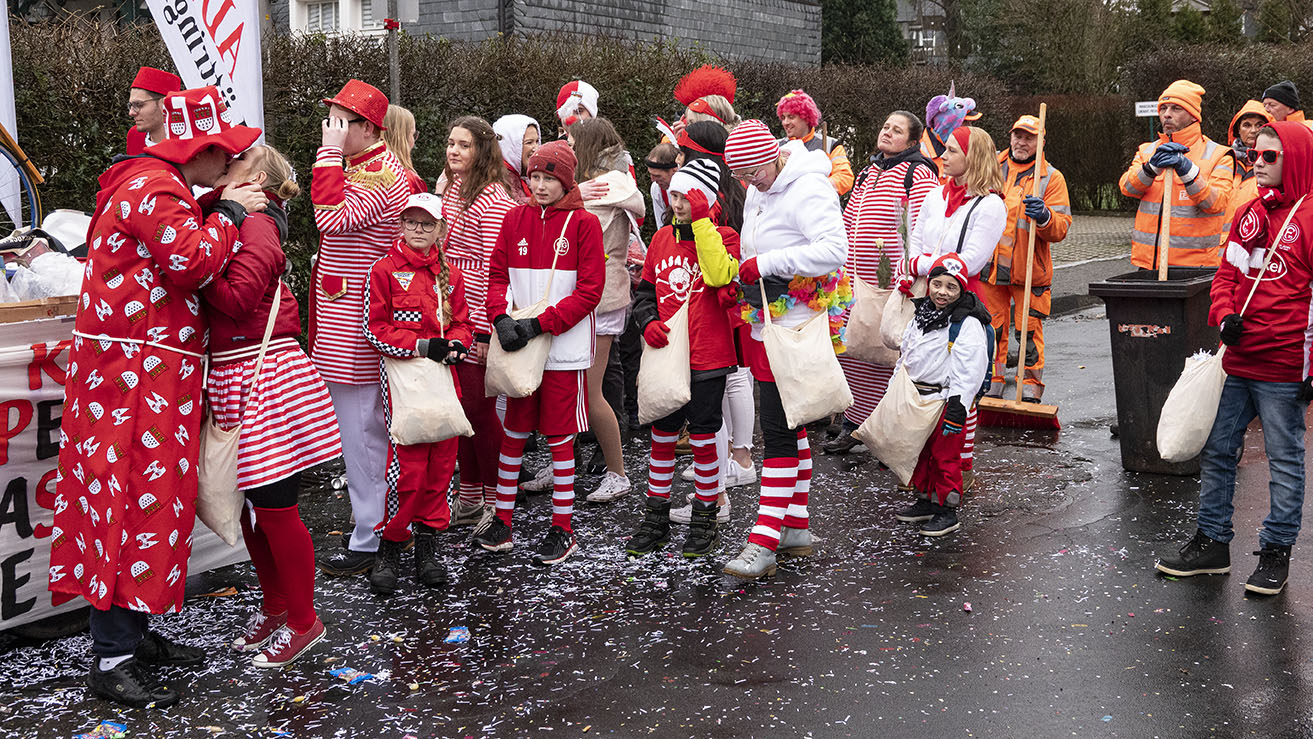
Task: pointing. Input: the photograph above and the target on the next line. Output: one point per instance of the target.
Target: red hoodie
(1275, 343)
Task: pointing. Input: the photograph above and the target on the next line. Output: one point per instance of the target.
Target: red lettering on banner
(8, 432)
(231, 46)
(45, 498)
(43, 359)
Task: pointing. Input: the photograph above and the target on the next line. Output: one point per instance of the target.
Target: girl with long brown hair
(473, 206)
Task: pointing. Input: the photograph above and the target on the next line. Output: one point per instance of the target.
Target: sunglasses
(1269, 155)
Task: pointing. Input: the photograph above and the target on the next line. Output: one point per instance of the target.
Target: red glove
(748, 272)
(904, 283)
(697, 203)
(728, 296)
(657, 334)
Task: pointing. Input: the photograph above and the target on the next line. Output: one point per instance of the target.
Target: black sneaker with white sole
(495, 538)
(921, 510)
(130, 684)
(557, 546)
(1273, 568)
(1199, 556)
(944, 521)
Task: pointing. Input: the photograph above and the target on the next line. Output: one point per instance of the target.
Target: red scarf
(956, 194)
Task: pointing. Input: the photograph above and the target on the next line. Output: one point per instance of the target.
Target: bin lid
(1181, 283)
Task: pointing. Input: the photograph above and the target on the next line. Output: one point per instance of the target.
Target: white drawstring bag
(901, 424)
(218, 501)
(864, 334)
(424, 403)
(665, 375)
(898, 312)
(518, 374)
(1191, 407)
(807, 374)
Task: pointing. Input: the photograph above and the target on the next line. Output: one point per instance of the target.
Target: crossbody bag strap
(264, 344)
(962, 235)
(556, 253)
(1268, 256)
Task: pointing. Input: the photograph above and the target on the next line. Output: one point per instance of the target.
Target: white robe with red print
(130, 434)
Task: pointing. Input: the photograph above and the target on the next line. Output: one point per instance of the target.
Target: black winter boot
(428, 570)
(702, 535)
(387, 565)
(654, 532)
(1273, 569)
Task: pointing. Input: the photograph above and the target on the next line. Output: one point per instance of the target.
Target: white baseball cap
(427, 202)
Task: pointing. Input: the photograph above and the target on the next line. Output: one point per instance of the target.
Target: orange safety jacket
(1245, 187)
(1009, 263)
(933, 150)
(841, 170)
(1199, 202)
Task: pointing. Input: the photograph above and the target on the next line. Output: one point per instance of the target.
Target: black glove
(456, 352)
(509, 333)
(1305, 393)
(529, 327)
(955, 416)
(1232, 326)
(434, 348)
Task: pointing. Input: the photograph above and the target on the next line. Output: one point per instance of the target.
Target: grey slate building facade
(775, 30)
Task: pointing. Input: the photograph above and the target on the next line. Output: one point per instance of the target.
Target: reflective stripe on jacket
(1009, 262)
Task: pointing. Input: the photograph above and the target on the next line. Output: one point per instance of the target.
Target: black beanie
(1284, 92)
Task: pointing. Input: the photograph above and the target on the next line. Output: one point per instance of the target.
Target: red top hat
(195, 119)
(364, 100)
(157, 81)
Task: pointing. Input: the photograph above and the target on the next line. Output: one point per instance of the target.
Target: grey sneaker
(462, 515)
(795, 543)
(753, 562)
(541, 482)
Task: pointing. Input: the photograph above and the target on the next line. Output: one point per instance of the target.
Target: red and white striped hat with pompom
(749, 145)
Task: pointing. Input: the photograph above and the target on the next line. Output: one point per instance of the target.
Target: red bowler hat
(157, 81)
(364, 100)
(195, 119)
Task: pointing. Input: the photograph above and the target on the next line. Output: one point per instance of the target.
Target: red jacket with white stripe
(357, 209)
(405, 303)
(531, 237)
(876, 209)
(471, 236)
(1278, 329)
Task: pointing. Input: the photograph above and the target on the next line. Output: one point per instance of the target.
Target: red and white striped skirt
(290, 425)
(868, 383)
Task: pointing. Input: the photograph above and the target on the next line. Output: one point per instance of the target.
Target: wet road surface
(1069, 632)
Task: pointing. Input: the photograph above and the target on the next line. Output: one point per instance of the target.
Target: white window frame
(350, 18)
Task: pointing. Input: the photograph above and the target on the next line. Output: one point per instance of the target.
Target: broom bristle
(997, 413)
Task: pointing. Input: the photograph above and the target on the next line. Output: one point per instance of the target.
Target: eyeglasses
(1269, 155)
(743, 175)
(136, 105)
(421, 226)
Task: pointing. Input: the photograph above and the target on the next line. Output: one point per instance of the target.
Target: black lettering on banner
(47, 428)
(13, 508)
(10, 582)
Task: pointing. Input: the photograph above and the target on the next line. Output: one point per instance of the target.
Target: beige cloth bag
(1191, 407)
(898, 312)
(665, 376)
(807, 374)
(425, 405)
(864, 335)
(518, 374)
(218, 501)
(902, 422)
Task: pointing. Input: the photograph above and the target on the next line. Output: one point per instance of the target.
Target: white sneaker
(541, 482)
(613, 486)
(689, 474)
(738, 475)
(685, 514)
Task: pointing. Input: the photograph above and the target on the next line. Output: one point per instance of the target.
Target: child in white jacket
(946, 352)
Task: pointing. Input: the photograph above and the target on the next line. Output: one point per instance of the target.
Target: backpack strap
(991, 344)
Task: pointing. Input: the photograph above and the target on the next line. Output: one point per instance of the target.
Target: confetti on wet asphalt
(1022, 623)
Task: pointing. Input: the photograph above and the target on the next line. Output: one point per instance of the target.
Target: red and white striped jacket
(471, 237)
(875, 211)
(357, 211)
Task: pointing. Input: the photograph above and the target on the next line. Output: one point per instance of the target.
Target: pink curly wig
(800, 104)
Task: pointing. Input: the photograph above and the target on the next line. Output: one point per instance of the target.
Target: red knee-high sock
(969, 440)
(562, 480)
(290, 544)
(508, 473)
(266, 568)
(778, 476)
(661, 463)
(706, 466)
(796, 518)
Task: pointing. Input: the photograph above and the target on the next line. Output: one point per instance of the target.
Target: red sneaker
(259, 629)
(287, 645)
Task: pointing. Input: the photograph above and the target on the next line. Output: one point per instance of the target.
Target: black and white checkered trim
(407, 316)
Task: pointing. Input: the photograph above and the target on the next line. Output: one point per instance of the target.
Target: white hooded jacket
(795, 228)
